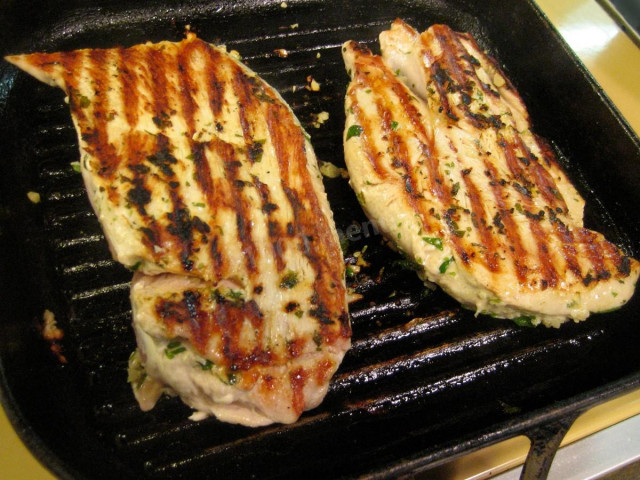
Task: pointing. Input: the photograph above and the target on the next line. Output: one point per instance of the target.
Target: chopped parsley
(524, 321)
(435, 241)
(317, 339)
(173, 349)
(206, 365)
(354, 131)
(445, 264)
(289, 280)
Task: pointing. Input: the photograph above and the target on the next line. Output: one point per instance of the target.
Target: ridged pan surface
(424, 380)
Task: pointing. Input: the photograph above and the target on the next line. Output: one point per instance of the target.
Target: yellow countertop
(614, 61)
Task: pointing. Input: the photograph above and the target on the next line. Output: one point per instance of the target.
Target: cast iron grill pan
(424, 381)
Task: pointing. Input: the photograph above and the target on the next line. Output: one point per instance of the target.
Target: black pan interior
(424, 381)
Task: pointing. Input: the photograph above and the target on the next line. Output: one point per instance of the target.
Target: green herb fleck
(82, 101)
(206, 365)
(235, 295)
(445, 264)
(407, 264)
(524, 321)
(136, 266)
(317, 339)
(76, 167)
(354, 131)
(435, 241)
(289, 280)
(173, 349)
(394, 126)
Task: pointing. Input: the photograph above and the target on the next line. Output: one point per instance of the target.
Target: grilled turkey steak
(442, 157)
(206, 185)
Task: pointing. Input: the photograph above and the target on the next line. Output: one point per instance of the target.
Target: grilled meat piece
(206, 184)
(441, 156)
(244, 357)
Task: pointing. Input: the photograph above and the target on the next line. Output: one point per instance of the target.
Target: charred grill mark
(443, 83)
(187, 87)
(540, 175)
(310, 225)
(367, 131)
(245, 103)
(139, 196)
(181, 227)
(516, 250)
(240, 204)
(549, 273)
(487, 59)
(71, 63)
(274, 229)
(567, 240)
(215, 86)
(614, 257)
(455, 73)
(128, 60)
(593, 248)
(229, 318)
(540, 234)
(479, 221)
(159, 66)
(203, 320)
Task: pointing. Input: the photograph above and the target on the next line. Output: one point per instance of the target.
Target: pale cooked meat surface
(205, 183)
(441, 156)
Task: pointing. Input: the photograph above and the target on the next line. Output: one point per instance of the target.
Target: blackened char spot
(255, 151)
(192, 302)
(139, 196)
(624, 267)
(163, 158)
(199, 225)
(321, 313)
(181, 226)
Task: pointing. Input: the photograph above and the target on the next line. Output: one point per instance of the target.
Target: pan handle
(545, 441)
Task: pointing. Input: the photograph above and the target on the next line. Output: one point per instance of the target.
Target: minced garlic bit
(235, 55)
(319, 119)
(352, 296)
(50, 330)
(283, 5)
(330, 170)
(294, 26)
(52, 334)
(312, 84)
(34, 197)
(318, 55)
(281, 52)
